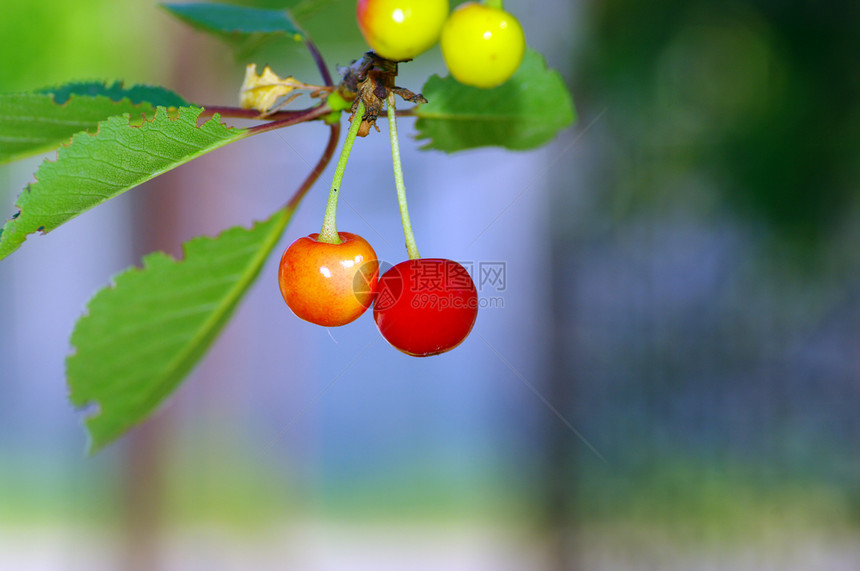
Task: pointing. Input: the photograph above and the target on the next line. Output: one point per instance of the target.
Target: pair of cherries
(482, 44)
(422, 307)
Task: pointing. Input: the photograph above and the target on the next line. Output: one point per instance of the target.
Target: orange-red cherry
(329, 284)
(426, 306)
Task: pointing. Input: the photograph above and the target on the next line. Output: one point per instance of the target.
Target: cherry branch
(318, 58)
(328, 153)
(253, 114)
(293, 119)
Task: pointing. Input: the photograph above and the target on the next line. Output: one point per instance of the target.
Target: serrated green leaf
(524, 113)
(152, 94)
(144, 333)
(92, 169)
(32, 123)
(247, 28)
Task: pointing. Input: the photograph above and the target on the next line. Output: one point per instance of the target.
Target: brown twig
(237, 113)
(292, 119)
(328, 153)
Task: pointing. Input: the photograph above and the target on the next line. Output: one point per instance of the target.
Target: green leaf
(92, 169)
(144, 333)
(32, 123)
(524, 113)
(154, 95)
(246, 28)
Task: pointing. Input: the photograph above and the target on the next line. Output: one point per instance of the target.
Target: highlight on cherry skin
(401, 29)
(426, 306)
(483, 46)
(317, 279)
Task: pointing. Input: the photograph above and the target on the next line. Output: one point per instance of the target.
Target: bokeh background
(667, 377)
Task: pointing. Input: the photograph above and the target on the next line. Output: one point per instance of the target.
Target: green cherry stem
(411, 247)
(329, 230)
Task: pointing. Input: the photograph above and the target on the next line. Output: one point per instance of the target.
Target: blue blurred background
(666, 378)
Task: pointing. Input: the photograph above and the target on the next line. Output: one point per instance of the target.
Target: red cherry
(328, 284)
(426, 306)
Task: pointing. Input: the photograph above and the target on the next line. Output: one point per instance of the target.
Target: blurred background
(666, 374)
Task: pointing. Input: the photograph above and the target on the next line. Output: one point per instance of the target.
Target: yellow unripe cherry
(401, 29)
(483, 46)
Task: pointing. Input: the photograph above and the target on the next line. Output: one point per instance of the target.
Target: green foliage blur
(50, 42)
(759, 97)
(737, 123)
